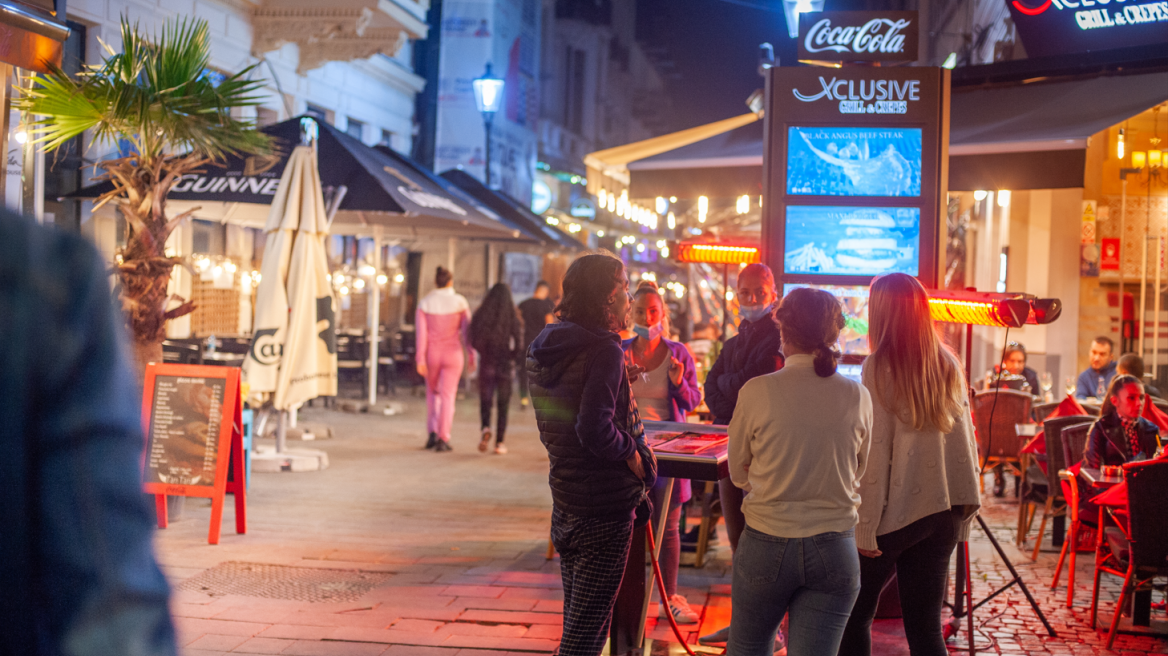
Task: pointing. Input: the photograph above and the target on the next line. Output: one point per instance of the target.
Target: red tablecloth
(1068, 408)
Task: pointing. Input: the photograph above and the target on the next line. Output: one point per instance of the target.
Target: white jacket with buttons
(912, 474)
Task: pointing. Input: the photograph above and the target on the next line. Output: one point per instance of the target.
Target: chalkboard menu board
(184, 430)
(191, 416)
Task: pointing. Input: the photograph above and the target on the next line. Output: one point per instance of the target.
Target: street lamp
(488, 91)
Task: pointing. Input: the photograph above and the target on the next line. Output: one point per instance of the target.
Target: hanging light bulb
(382, 278)
(743, 204)
(703, 208)
(671, 221)
(979, 195)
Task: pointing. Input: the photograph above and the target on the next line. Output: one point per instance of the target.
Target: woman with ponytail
(798, 447)
(921, 492)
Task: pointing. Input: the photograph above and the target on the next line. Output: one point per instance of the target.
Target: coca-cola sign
(847, 36)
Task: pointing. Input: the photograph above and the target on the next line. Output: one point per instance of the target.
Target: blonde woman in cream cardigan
(920, 493)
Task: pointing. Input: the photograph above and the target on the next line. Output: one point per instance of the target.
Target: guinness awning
(383, 189)
(507, 207)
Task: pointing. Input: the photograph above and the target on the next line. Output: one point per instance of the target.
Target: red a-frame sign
(191, 417)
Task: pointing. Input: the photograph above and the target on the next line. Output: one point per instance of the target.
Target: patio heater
(1003, 310)
(488, 93)
(718, 253)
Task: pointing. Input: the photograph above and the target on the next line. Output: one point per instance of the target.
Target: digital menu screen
(853, 338)
(852, 241)
(854, 161)
(184, 430)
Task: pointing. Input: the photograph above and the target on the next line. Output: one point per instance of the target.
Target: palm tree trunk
(145, 353)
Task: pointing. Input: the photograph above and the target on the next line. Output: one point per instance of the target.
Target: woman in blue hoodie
(665, 385)
(601, 467)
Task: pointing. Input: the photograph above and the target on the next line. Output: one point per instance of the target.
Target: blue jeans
(815, 580)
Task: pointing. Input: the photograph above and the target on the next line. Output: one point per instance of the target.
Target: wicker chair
(998, 445)
(1074, 442)
(1038, 489)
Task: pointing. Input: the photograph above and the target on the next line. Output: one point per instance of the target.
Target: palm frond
(156, 94)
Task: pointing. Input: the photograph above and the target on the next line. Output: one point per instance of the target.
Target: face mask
(753, 313)
(650, 333)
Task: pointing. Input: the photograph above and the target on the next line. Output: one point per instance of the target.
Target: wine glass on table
(1070, 386)
(1046, 382)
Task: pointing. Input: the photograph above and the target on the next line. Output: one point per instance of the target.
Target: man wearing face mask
(665, 385)
(753, 352)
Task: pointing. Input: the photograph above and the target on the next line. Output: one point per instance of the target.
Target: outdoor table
(630, 613)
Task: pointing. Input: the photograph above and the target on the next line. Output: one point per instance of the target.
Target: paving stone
(215, 642)
(333, 648)
(472, 629)
(263, 646)
(511, 617)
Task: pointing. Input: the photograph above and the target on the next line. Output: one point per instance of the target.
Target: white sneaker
(500, 449)
(682, 613)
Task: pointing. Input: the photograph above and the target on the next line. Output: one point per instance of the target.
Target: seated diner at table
(1118, 437)
(1133, 365)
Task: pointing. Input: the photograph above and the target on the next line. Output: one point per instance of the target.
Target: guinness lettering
(195, 183)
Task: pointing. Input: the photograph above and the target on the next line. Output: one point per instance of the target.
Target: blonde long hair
(913, 375)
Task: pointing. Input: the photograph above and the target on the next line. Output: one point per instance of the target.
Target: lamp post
(488, 92)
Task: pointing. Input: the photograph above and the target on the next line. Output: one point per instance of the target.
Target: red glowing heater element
(984, 309)
(717, 254)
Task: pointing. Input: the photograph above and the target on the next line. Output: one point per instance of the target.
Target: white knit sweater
(798, 445)
(912, 474)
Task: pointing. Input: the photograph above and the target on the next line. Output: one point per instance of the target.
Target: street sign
(191, 416)
(854, 36)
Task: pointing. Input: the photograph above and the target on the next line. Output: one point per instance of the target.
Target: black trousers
(919, 553)
(593, 552)
(495, 383)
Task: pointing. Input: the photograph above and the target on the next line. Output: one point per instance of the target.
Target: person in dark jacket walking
(601, 466)
(496, 332)
(753, 352)
(77, 568)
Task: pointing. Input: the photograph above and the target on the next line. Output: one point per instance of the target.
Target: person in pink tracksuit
(441, 322)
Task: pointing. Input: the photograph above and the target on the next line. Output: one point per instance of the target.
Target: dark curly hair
(811, 320)
(588, 286)
(442, 277)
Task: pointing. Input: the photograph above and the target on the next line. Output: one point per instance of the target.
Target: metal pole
(725, 301)
(374, 320)
(1122, 220)
(487, 116)
(281, 430)
(5, 106)
(1156, 312)
(1143, 287)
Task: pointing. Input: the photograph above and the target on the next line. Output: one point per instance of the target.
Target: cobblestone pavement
(397, 551)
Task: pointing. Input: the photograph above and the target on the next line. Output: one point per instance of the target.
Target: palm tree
(156, 95)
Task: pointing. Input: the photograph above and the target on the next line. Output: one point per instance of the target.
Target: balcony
(340, 30)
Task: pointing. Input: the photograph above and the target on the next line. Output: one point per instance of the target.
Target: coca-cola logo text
(879, 35)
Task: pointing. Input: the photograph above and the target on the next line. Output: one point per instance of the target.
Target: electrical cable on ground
(661, 589)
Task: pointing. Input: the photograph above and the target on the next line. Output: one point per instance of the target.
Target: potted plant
(171, 116)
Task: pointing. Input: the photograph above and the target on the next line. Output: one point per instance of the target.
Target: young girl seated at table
(1119, 436)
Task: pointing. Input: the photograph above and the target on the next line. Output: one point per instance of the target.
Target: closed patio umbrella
(294, 353)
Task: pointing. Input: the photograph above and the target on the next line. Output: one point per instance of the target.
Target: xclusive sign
(865, 96)
(847, 36)
(1059, 27)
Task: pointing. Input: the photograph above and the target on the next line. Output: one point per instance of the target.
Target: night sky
(713, 45)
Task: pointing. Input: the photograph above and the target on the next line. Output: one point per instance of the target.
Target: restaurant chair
(1041, 492)
(1042, 410)
(1139, 552)
(1073, 442)
(352, 358)
(1009, 408)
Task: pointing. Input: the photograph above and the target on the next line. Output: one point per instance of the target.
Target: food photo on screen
(853, 339)
(853, 161)
(852, 241)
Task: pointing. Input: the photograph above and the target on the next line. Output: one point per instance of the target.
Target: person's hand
(870, 554)
(636, 465)
(676, 369)
(633, 370)
(421, 367)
